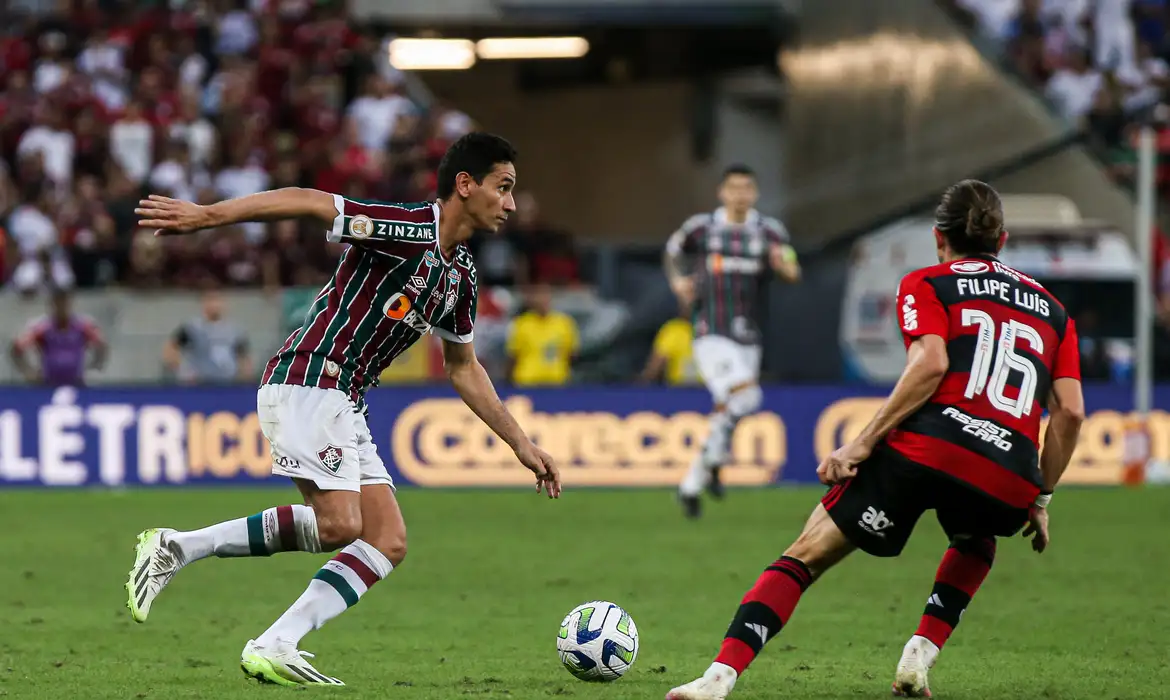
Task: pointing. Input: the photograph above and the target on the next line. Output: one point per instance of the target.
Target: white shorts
(316, 434)
(724, 363)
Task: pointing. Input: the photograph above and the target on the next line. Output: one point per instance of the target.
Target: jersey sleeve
(775, 232)
(93, 334)
(685, 240)
(919, 310)
(32, 335)
(459, 325)
(386, 227)
(1068, 354)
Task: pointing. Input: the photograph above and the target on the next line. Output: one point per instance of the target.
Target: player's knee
(393, 548)
(337, 530)
(979, 547)
(745, 401)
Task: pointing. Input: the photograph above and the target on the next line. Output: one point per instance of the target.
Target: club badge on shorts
(331, 457)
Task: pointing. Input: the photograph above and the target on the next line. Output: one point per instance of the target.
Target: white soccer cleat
(918, 656)
(282, 664)
(155, 564)
(715, 684)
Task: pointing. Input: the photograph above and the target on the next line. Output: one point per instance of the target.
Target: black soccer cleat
(692, 507)
(715, 486)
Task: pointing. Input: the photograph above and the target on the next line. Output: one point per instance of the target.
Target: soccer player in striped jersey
(407, 272)
(987, 349)
(731, 252)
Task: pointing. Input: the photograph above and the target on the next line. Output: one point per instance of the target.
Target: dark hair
(970, 217)
(475, 154)
(737, 169)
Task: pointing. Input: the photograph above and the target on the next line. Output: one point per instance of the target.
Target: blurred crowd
(104, 101)
(1098, 62)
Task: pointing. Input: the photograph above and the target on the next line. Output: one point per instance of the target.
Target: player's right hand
(683, 288)
(171, 216)
(1037, 528)
(541, 464)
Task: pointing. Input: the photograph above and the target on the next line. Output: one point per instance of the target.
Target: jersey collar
(720, 216)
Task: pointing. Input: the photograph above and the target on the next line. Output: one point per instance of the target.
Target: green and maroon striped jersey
(392, 286)
(730, 268)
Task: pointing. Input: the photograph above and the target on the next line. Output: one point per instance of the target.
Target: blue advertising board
(602, 436)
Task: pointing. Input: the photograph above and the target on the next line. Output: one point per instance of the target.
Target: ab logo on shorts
(874, 521)
(331, 457)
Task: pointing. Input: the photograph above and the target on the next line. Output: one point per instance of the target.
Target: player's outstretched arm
(175, 216)
(474, 386)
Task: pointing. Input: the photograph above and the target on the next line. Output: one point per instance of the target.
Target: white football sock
(280, 529)
(336, 587)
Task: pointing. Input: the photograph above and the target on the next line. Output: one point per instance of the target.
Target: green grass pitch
(474, 610)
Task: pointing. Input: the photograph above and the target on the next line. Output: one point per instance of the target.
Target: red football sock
(963, 569)
(764, 611)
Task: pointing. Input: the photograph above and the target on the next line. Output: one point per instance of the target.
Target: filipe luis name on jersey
(976, 287)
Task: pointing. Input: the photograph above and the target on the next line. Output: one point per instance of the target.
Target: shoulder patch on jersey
(361, 226)
(970, 267)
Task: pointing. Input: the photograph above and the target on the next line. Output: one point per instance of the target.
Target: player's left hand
(842, 463)
(541, 464)
(1037, 528)
(171, 216)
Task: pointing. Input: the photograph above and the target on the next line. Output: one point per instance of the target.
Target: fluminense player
(718, 264)
(988, 349)
(407, 272)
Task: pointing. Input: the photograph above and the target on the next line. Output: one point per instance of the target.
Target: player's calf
(768, 606)
(962, 571)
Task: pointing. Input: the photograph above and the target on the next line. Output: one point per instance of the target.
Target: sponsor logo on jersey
(399, 308)
(361, 226)
(430, 259)
(453, 276)
(983, 429)
(875, 521)
(970, 267)
(719, 264)
(331, 457)
(416, 284)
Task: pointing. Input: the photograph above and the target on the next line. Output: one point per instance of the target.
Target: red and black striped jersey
(392, 286)
(730, 266)
(1007, 340)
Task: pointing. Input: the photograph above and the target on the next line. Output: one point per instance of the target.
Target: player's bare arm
(680, 282)
(782, 259)
(926, 365)
(475, 387)
(175, 216)
(1066, 413)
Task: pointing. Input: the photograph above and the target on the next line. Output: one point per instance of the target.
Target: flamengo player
(407, 272)
(987, 349)
(733, 248)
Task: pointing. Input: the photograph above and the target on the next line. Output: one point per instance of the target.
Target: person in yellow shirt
(671, 359)
(542, 343)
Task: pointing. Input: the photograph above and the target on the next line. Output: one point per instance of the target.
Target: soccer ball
(598, 642)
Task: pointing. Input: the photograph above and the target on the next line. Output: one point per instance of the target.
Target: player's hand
(1037, 528)
(541, 464)
(842, 463)
(683, 288)
(171, 217)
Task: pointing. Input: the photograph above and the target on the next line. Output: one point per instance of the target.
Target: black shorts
(878, 508)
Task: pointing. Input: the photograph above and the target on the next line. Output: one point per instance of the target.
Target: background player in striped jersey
(718, 263)
(407, 272)
(987, 349)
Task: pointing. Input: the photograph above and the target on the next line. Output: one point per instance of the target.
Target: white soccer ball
(598, 642)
